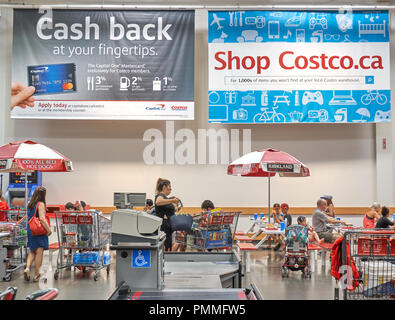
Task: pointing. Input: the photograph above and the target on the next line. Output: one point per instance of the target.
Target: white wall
(108, 155)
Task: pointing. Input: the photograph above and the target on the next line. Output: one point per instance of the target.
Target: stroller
(296, 251)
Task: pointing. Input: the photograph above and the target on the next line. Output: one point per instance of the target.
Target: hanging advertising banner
(104, 64)
(295, 66)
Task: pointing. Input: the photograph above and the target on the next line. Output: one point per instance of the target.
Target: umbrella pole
(26, 197)
(268, 197)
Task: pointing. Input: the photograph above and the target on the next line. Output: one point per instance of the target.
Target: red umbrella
(27, 156)
(266, 163)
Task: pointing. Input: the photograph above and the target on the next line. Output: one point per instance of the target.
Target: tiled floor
(265, 274)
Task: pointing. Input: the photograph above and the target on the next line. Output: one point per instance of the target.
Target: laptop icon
(342, 98)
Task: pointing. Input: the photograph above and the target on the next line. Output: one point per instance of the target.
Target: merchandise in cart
(210, 230)
(85, 235)
(372, 253)
(13, 248)
(14, 215)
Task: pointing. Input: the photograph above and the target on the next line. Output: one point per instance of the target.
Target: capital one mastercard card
(52, 78)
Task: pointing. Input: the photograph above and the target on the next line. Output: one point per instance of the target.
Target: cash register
(141, 265)
(138, 242)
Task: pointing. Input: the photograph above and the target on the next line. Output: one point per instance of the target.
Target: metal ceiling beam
(300, 7)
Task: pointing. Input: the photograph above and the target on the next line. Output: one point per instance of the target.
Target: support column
(6, 124)
(385, 160)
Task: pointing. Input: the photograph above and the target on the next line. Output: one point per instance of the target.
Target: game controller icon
(312, 97)
(318, 20)
(382, 116)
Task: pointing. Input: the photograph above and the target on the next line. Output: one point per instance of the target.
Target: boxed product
(216, 238)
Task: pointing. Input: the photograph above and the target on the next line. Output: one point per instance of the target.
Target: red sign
(69, 219)
(376, 246)
(41, 164)
(82, 219)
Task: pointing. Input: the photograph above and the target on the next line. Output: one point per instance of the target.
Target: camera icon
(240, 114)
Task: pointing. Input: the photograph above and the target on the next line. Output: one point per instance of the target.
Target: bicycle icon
(269, 116)
(373, 95)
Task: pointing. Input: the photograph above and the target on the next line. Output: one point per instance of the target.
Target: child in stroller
(296, 251)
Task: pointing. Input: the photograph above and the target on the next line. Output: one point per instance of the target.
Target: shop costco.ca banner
(100, 64)
(295, 66)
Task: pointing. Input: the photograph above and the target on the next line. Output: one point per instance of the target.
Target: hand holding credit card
(21, 96)
(52, 78)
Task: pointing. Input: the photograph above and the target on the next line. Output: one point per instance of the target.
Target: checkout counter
(145, 271)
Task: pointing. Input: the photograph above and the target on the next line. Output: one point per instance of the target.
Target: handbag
(181, 222)
(36, 228)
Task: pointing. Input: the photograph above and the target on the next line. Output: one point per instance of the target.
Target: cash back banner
(105, 64)
(294, 66)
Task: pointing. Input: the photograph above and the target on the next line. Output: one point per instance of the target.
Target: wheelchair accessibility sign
(141, 259)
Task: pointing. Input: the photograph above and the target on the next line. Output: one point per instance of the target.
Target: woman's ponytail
(160, 183)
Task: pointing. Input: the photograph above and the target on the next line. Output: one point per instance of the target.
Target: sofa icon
(249, 36)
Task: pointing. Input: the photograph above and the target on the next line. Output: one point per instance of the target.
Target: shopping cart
(210, 230)
(13, 248)
(373, 253)
(85, 235)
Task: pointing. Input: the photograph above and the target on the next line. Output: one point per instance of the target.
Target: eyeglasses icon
(332, 36)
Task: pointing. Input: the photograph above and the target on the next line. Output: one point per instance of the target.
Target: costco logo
(181, 108)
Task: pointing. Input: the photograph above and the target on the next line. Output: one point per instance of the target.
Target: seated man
(149, 204)
(277, 215)
(384, 222)
(320, 219)
(278, 218)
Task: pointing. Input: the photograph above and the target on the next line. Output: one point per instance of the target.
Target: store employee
(165, 208)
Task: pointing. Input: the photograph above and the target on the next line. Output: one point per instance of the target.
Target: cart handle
(46, 294)
(379, 232)
(9, 293)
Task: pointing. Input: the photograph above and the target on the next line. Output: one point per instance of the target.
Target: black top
(384, 222)
(167, 210)
(289, 219)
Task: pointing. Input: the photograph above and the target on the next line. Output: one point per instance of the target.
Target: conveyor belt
(192, 281)
(179, 294)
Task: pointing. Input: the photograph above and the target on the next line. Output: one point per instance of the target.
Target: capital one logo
(158, 107)
(185, 146)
